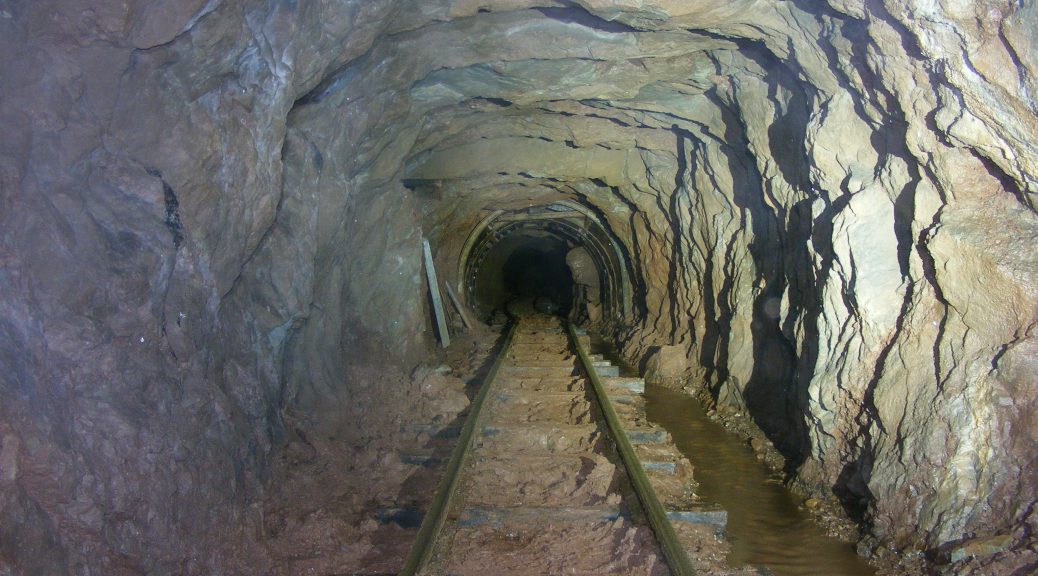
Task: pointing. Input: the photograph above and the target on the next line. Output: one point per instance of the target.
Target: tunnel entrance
(539, 273)
(559, 255)
(528, 265)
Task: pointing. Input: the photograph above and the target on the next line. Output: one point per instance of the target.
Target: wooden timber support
(437, 300)
(457, 305)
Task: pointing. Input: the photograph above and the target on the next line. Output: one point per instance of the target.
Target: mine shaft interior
(259, 259)
(528, 267)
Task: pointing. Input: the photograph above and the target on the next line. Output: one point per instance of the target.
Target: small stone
(667, 366)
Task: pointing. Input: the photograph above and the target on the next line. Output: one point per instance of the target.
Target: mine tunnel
(559, 256)
(804, 228)
(529, 266)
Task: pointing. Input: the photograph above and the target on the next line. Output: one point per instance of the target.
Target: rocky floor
(533, 502)
(346, 498)
(344, 491)
(543, 491)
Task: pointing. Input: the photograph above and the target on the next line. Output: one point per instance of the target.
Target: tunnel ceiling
(544, 93)
(548, 97)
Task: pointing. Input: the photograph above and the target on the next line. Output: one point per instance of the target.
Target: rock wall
(829, 206)
(155, 266)
(838, 242)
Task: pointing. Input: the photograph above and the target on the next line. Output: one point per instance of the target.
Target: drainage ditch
(767, 527)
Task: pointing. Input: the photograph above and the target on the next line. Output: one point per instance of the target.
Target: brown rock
(667, 366)
(212, 214)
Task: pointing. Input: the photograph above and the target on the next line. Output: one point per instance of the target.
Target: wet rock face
(829, 207)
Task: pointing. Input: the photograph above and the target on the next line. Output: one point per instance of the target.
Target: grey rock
(828, 208)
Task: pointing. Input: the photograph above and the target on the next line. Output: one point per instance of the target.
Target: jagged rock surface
(830, 206)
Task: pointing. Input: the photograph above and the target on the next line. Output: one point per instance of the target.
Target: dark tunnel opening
(526, 266)
(541, 276)
(559, 256)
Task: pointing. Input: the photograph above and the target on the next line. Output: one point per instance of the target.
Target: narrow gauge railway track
(552, 476)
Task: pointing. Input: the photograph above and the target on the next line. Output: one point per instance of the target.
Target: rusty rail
(673, 551)
(432, 522)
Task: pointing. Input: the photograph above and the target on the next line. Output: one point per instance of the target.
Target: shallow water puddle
(766, 528)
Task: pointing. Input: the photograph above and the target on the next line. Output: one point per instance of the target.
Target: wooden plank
(457, 305)
(448, 315)
(434, 289)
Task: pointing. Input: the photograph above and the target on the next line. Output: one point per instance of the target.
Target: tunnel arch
(565, 221)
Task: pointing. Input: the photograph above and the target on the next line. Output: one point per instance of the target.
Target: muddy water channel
(766, 528)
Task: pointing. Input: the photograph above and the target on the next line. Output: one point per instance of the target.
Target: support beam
(457, 305)
(434, 290)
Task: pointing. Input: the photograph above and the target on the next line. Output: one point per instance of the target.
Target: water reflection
(765, 525)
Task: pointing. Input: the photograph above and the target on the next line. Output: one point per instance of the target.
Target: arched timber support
(569, 221)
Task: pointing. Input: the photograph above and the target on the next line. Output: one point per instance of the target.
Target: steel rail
(436, 516)
(673, 551)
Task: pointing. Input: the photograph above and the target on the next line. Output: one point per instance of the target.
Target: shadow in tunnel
(776, 391)
(541, 276)
(529, 267)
